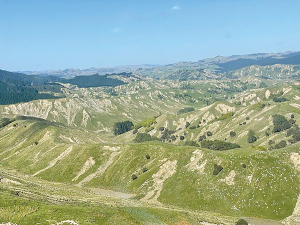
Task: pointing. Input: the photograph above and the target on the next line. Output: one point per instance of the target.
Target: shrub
(251, 137)
(145, 170)
(5, 122)
(187, 124)
(193, 127)
(217, 169)
(134, 177)
(218, 145)
(135, 131)
(173, 138)
(161, 129)
(244, 165)
(142, 137)
(146, 123)
(201, 138)
(271, 142)
(292, 116)
(281, 144)
(247, 118)
(280, 99)
(241, 222)
(166, 134)
(232, 134)
(267, 133)
(280, 123)
(191, 143)
(209, 133)
(147, 156)
(122, 127)
(225, 116)
(36, 143)
(181, 138)
(292, 131)
(185, 110)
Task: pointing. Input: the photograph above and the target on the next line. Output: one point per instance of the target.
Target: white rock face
(267, 94)
(194, 160)
(229, 180)
(222, 108)
(165, 171)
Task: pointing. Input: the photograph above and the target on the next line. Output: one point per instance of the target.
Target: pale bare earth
(229, 180)
(295, 157)
(165, 171)
(9, 182)
(100, 170)
(72, 222)
(88, 164)
(54, 161)
(9, 223)
(222, 108)
(206, 223)
(111, 193)
(194, 160)
(295, 105)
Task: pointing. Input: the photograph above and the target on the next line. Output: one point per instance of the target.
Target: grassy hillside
(252, 183)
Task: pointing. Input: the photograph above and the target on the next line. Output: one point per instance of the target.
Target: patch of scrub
(88, 164)
(100, 170)
(194, 160)
(229, 180)
(165, 171)
(54, 161)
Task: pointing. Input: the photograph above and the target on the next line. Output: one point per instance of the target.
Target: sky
(41, 35)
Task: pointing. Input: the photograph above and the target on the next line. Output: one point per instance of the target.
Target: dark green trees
(218, 145)
(281, 123)
(251, 137)
(122, 127)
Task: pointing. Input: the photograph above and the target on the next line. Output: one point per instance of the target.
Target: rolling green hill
(206, 147)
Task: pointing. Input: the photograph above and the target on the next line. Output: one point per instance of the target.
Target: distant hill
(17, 87)
(93, 81)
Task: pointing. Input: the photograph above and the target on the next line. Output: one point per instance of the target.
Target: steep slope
(169, 176)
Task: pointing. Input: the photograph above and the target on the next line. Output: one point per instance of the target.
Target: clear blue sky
(59, 34)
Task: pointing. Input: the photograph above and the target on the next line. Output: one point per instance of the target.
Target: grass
(268, 187)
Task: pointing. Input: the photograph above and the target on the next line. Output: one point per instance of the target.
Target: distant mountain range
(71, 72)
(216, 65)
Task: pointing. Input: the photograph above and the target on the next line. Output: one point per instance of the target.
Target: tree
(232, 133)
(122, 127)
(142, 137)
(241, 222)
(281, 123)
(251, 137)
(218, 145)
